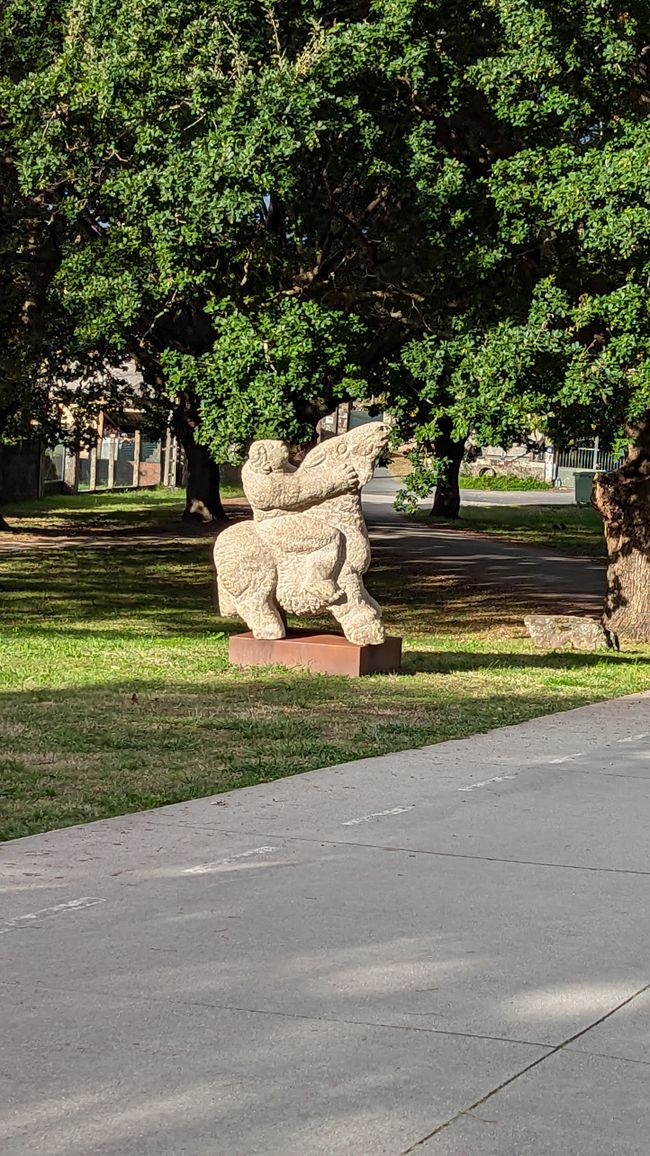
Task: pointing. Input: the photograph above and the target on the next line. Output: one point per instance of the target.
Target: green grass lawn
(573, 529)
(156, 508)
(116, 694)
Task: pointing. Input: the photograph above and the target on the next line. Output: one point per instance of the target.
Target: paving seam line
(528, 1068)
(257, 1011)
(406, 850)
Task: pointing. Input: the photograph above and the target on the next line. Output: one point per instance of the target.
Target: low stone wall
(528, 467)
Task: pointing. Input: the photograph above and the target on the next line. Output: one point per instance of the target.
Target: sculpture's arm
(298, 490)
(326, 479)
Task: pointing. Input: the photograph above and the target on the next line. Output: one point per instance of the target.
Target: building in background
(123, 457)
(535, 461)
(345, 417)
(549, 464)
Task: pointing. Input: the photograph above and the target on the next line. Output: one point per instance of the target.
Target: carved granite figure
(307, 547)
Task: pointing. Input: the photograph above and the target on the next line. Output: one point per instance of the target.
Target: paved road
(390, 485)
(517, 497)
(444, 952)
(558, 582)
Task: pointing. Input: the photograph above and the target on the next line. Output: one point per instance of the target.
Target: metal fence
(586, 458)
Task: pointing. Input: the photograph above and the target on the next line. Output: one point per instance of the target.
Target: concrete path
(444, 951)
(560, 583)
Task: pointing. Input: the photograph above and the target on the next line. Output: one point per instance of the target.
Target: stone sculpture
(307, 547)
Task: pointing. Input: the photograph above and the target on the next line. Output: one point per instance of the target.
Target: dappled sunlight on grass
(157, 508)
(116, 693)
(117, 508)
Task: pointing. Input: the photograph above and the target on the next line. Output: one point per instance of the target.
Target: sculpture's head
(368, 440)
(363, 446)
(268, 455)
(359, 447)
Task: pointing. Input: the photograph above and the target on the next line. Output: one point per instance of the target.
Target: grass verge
(501, 482)
(116, 694)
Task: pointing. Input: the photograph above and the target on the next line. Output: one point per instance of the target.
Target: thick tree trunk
(4, 526)
(202, 501)
(446, 502)
(623, 499)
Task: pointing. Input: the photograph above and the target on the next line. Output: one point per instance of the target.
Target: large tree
(555, 334)
(274, 194)
(46, 394)
(28, 262)
(291, 201)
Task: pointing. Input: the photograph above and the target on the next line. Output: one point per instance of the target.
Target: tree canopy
(554, 331)
(272, 205)
(27, 255)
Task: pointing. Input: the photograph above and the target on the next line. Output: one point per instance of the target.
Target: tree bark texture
(446, 502)
(623, 500)
(4, 525)
(202, 501)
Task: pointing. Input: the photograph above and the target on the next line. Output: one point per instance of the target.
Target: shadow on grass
(64, 588)
(93, 509)
(440, 661)
(113, 511)
(108, 528)
(171, 583)
(170, 588)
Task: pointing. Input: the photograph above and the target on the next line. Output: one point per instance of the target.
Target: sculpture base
(320, 653)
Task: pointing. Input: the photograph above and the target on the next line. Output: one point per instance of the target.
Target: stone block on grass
(557, 631)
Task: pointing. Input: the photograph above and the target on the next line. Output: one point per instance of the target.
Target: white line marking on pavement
(205, 868)
(486, 782)
(46, 912)
(633, 738)
(567, 758)
(377, 815)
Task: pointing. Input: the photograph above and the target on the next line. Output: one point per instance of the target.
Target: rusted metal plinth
(321, 653)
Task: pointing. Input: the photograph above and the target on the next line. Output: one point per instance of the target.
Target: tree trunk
(446, 502)
(623, 500)
(202, 501)
(4, 526)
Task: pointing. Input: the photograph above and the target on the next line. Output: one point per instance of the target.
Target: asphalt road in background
(559, 583)
(384, 483)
